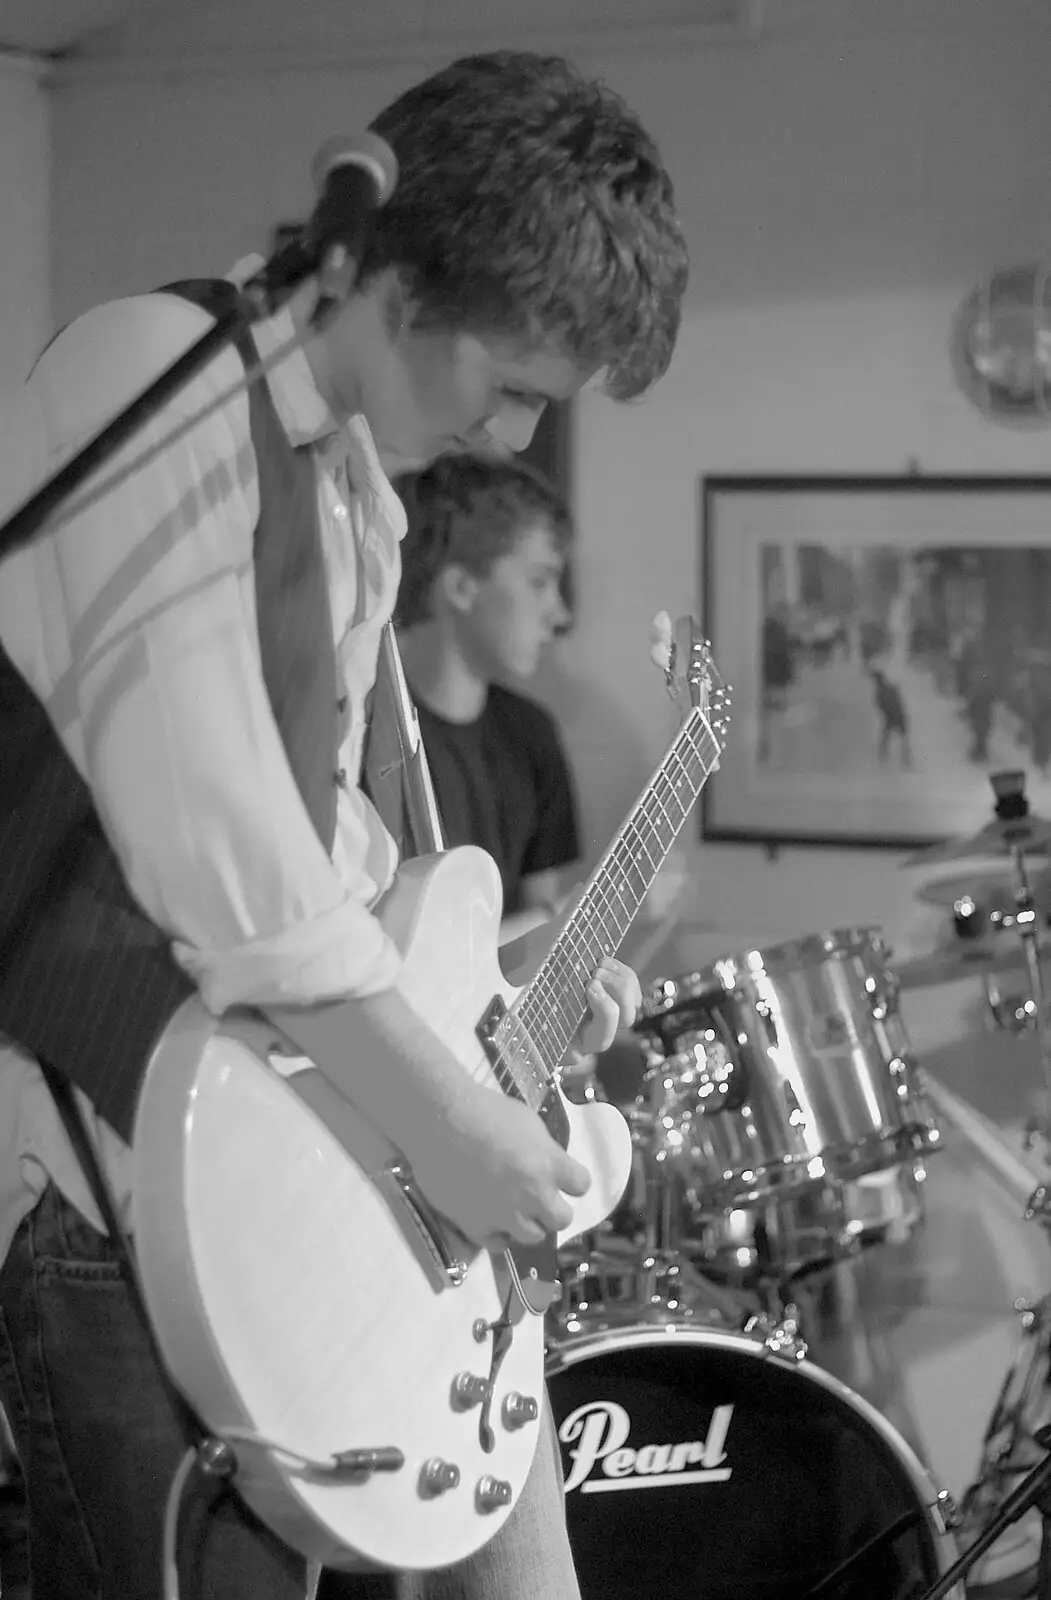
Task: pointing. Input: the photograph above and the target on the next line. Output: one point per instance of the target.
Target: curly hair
(532, 204)
(469, 510)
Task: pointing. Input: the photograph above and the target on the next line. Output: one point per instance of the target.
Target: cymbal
(1032, 835)
(991, 889)
(959, 961)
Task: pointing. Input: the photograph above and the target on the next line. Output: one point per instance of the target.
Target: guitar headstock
(690, 674)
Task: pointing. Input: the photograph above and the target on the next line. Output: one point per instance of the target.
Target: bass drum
(698, 1466)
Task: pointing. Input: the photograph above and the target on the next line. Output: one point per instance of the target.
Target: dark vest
(86, 979)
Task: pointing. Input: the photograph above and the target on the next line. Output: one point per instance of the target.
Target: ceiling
(44, 27)
(217, 28)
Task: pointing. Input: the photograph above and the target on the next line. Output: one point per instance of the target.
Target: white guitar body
(380, 1382)
(292, 1285)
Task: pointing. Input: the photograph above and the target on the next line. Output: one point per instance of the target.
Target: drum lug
(883, 995)
(764, 1012)
(781, 1338)
(945, 1512)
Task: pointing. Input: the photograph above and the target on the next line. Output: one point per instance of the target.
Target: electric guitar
(373, 1381)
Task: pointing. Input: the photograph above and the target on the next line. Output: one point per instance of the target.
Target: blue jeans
(100, 1439)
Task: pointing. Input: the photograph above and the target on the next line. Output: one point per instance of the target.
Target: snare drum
(779, 1069)
(698, 1466)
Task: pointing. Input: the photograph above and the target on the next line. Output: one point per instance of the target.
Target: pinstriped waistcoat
(86, 980)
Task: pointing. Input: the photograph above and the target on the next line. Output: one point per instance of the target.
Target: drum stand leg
(1009, 1447)
(667, 1281)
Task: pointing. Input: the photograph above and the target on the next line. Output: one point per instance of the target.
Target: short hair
(469, 510)
(531, 203)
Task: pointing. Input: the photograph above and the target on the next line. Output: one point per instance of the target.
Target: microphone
(354, 178)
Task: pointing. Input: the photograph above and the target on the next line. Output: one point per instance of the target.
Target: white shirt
(134, 623)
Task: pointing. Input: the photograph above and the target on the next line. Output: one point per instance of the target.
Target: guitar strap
(395, 774)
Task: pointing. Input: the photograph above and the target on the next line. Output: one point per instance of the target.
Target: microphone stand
(260, 297)
(1034, 1490)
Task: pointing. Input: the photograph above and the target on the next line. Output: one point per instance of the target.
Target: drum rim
(722, 974)
(580, 1346)
(827, 944)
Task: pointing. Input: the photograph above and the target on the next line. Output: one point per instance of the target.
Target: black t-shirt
(502, 782)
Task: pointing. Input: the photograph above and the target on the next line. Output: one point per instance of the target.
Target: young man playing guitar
(182, 709)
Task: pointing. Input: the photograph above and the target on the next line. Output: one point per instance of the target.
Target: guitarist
(182, 687)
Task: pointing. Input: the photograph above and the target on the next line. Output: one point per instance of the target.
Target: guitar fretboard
(552, 1006)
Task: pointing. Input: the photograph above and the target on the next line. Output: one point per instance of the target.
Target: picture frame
(888, 639)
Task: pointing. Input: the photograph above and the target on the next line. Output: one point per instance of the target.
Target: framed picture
(889, 644)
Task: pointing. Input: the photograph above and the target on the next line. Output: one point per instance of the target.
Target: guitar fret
(616, 888)
(553, 1005)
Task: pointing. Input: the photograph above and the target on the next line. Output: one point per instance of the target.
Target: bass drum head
(699, 1468)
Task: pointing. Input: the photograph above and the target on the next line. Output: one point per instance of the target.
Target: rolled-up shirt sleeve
(134, 622)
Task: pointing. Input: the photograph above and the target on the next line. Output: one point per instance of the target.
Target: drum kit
(781, 1130)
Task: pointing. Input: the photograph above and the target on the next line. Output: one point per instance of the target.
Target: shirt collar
(307, 419)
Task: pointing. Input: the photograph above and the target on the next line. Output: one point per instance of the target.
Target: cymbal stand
(1026, 923)
(1023, 1406)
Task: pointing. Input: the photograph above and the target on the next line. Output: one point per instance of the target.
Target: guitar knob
(520, 1409)
(438, 1476)
(492, 1493)
(469, 1390)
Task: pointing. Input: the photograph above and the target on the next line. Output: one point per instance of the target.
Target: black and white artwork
(889, 643)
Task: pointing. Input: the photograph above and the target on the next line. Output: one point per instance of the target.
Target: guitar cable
(214, 1457)
(173, 1505)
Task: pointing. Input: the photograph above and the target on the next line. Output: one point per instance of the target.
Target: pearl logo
(597, 1433)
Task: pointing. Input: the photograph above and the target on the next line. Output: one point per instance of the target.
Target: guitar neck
(554, 1003)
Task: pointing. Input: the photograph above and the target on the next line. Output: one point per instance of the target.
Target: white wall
(25, 207)
(842, 188)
